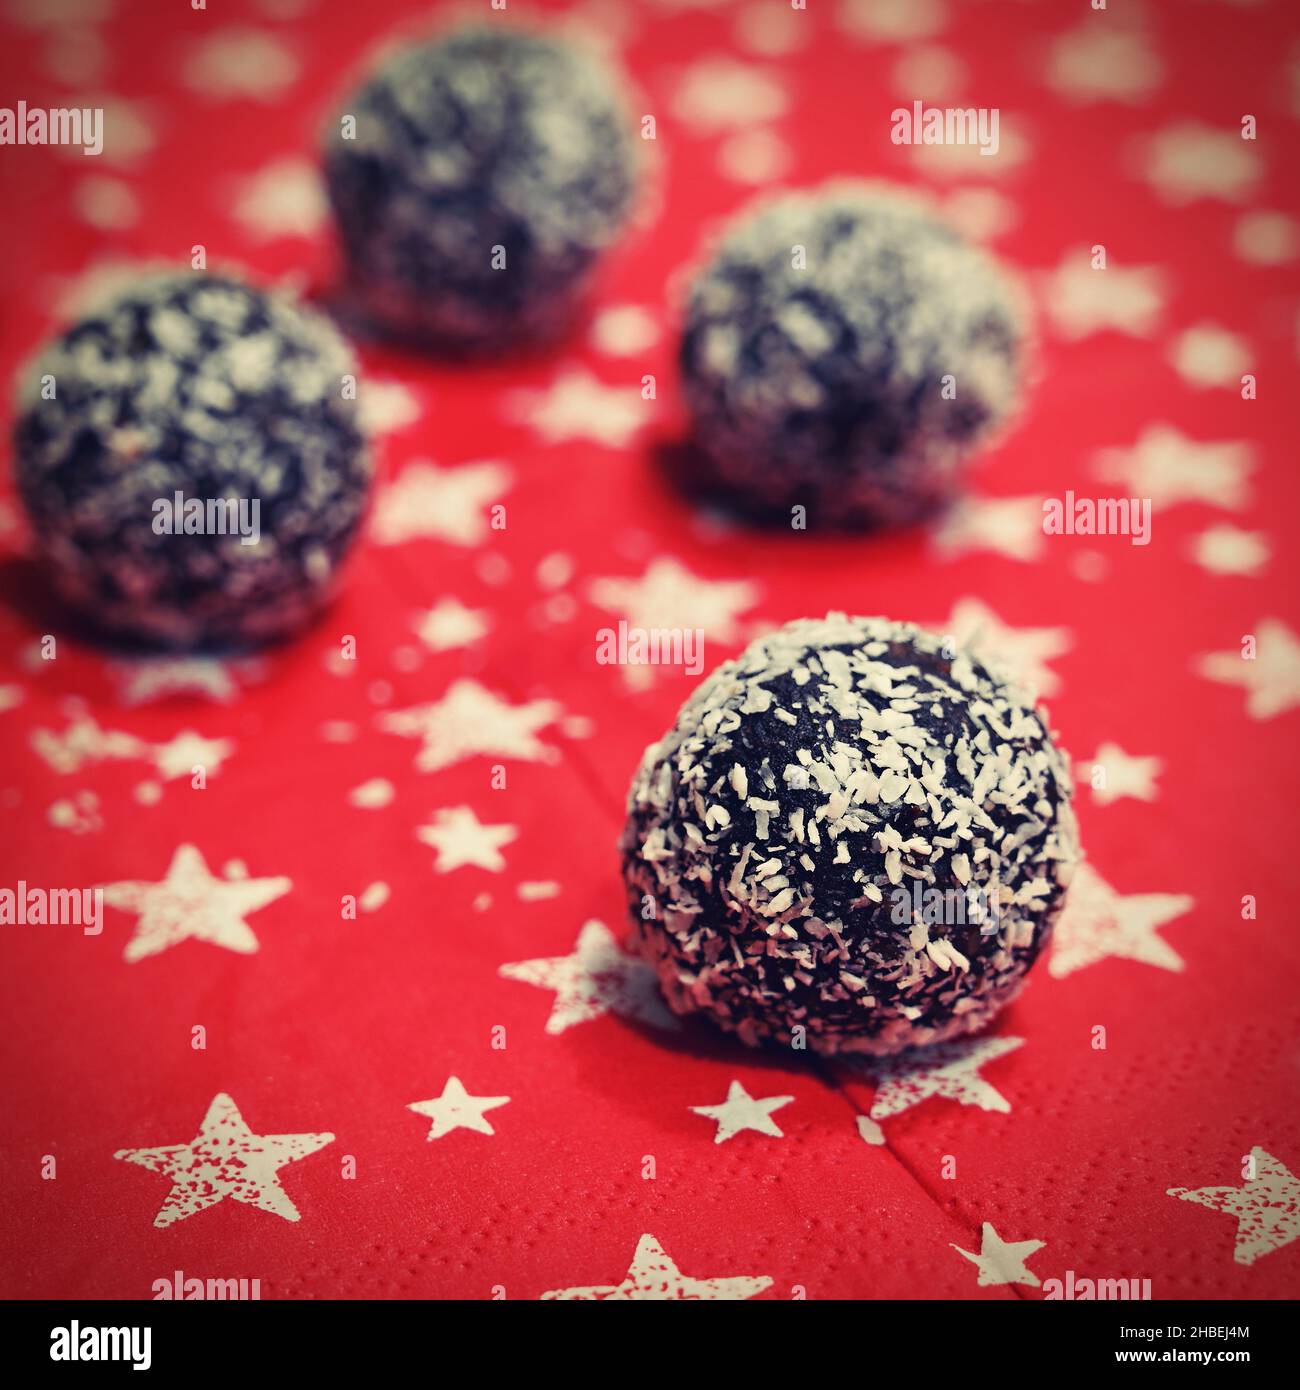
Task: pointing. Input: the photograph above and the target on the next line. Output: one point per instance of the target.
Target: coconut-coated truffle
(190, 459)
(486, 171)
(843, 350)
(854, 838)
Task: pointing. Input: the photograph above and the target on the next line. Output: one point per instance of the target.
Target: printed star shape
(189, 902)
(1228, 550)
(1126, 775)
(461, 838)
(1097, 63)
(241, 62)
(457, 1109)
(1000, 1261)
(1082, 300)
(742, 1111)
(188, 750)
(720, 93)
(1167, 467)
(225, 1159)
(1207, 355)
(1271, 680)
(471, 721)
(384, 406)
(1021, 653)
(1010, 526)
(1192, 160)
(597, 977)
(654, 1275)
(947, 1070)
(578, 406)
(1097, 922)
(449, 624)
(445, 504)
(157, 677)
(668, 595)
(286, 198)
(1267, 1207)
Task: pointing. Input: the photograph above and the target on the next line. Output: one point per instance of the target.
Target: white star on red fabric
(383, 406)
(598, 977)
(471, 721)
(1206, 355)
(188, 750)
(1191, 160)
(1167, 467)
(654, 1275)
(1229, 550)
(286, 198)
(742, 1111)
(1097, 923)
(1266, 1206)
(461, 838)
(226, 1159)
(1000, 1261)
(1125, 775)
(1093, 62)
(1021, 654)
(189, 902)
(578, 406)
(157, 677)
(425, 502)
(457, 1109)
(669, 596)
(1010, 526)
(1082, 300)
(1271, 679)
(716, 94)
(947, 1070)
(449, 625)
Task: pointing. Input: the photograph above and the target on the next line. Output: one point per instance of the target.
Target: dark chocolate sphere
(853, 838)
(191, 462)
(843, 351)
(475, 179)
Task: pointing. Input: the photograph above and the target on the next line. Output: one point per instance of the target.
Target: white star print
(1271, 679)
(449, 624)
(742, 1111)
(384, 406)
(1020, 653)
(83, 741)
(457, 1109)
(1266, 238)
(1081, 300)
(1097, 923)
(1227, 550)
(226, 1159)
(1000, 1261)
(189, 902)
(1267, 1207)
(444, 504)
(669, 596)
(720, 94)
(578, 406)
(654, 1275)
(892, 21)
(1126, 775)
(948, 1070)
(470, 721)
(158, 677)
(286, 198)
(189, 750)
(1010, 526)
(1099, 62)
(598, 977)
(1191, 160)
(241, 62)
(623, 330)
(1167, 467)
(1207, 355)
(461, 838)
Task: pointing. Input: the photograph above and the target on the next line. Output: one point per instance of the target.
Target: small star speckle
(460, 838)
(1271, 678)
(741, 1111)
(1122, 775)
(1098, 923)
(653, 1275)
(457, 1109)
(1000, 1261)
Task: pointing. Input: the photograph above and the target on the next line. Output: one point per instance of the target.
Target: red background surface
(338, 1025)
